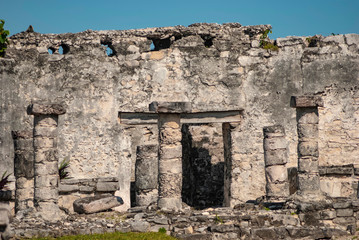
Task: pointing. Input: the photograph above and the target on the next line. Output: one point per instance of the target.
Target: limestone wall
(215, 67)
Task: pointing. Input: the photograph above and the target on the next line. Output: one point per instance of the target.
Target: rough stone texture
(169, 165)
(276, 172)
(46, 191)
(96, 204)
(24, 169)
(214, 67)
(146, 175)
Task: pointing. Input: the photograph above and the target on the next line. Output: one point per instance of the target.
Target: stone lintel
(170, 107)
(273, 131)
(306, 101)
(22, 134)
(46, 109)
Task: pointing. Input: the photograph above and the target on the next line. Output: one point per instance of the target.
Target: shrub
(4, 180)
(3, 38)
(64, 165)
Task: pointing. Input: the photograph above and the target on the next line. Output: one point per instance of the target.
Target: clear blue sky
(287, 17)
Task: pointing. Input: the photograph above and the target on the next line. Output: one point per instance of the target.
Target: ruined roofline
(212, 29)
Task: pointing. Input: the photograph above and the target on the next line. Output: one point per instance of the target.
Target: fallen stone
(96, 204)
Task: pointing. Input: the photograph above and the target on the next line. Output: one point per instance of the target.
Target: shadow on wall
(203, 182)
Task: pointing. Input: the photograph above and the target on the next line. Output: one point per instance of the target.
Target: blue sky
(287, 17)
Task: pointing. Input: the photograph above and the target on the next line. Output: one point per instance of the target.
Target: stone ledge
(46, 109)
(306, 101)
(345, 170)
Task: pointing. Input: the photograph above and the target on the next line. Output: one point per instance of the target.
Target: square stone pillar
(308, 153)
(275, 157)
(146, 174)
(46, 192)
(24, 169)
(170, 153)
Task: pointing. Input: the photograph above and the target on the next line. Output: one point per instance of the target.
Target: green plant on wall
(64, 165)
(3, 38)
(4, 180)
(265, 44)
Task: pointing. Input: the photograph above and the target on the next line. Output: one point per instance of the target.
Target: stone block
(46, 109)
(170, 136)
(140, 226)
(307, 116)
(46, 168)
(276, 174)
(344, 212)
(147, 151)
(308, 165)
(24, 164)
(170, 152)
(46, 193)
(275, 157)
(306, 101)
(274, 131)
(170, 107)
(345, 220)
(172, 166)
(146, 171)
(40, 143)
(308, 148)
(275, 143)
(308, 182)
(146, 198)
(22, 134)
(107, 186)
(24, 183)
(339, 170)
(23, 144)
(24, 194)
(307, 131)
(341, 204)
(45, 156)
(46, 181)
(277, 190)
(328, 214)
(48, 132)
(65, 188)
(168, 203)
(86, 189)
(96, 204)
(352, 39)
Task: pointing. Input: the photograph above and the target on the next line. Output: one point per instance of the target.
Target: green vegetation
(266, 44)
(115, 236)
(63, 173)
(218, 220)
(4, 180)
(267, 209)
(162, 230)
(312, 41)
(3, 38)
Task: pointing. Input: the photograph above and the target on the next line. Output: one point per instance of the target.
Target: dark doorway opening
(202, 165)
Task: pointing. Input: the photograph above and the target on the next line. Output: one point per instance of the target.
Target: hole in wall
(51, 50)
(159, 44)
(64, 49)
(152, 46)
(110, 51)
(207, 40)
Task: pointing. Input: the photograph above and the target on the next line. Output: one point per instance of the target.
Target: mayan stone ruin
(200, 130)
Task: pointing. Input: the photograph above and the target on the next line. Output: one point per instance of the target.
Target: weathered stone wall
(215, 67)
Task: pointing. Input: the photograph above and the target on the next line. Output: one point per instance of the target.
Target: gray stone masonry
(24, 169)
(46, 160)
(170, 153)
(275, 156)
(308, 153)
(146, 174)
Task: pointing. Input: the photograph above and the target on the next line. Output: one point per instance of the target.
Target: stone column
(275, 157)
(24, 169)
(146, 174)
(170, 153)
(307, 126)
(46, 159)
